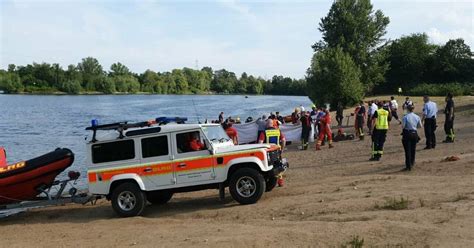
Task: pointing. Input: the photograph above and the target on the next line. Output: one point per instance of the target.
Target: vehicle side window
(155, 146)
(189, 142)
(113, 151)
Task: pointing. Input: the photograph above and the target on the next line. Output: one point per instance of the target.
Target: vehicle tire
(128, 200)
(159, 198)
(246, 186)
(270, 183)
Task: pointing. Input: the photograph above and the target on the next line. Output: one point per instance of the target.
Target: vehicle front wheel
(128, 200)
(247, 185)
(270, 183)
(159, 198)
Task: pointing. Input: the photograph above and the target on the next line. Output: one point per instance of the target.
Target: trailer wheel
(128, 200)
(247, 186)
(159, 198)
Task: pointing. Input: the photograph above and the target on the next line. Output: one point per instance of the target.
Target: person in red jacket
(325, 129)
(194, 143)
(232, 133)
(3, 157)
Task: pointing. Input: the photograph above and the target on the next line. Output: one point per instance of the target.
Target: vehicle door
(192, 159)
(156, 154)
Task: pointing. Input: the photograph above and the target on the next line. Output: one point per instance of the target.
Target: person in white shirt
(393, 109)
(430, 110)
(405, 105)
(372, 108)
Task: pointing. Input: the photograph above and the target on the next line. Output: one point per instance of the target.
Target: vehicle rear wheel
(128, 200)
(159, 198)
(270, 183)
(246, 186)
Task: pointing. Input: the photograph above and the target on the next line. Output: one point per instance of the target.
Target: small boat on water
(26, 179)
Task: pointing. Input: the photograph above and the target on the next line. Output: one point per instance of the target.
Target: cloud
(439, 37)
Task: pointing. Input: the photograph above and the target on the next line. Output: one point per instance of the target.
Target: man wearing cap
(410, 123)
(429, 122)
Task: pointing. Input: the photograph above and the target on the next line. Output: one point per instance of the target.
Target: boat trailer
(49, 197)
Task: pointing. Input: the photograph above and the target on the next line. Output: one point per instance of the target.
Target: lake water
(32, 125)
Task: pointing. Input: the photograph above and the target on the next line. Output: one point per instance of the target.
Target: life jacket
(3, 157)
(382, 119)
(272, 136)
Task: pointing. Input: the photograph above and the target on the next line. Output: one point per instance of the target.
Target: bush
(441, 89)
(394, 204)
(355, 242)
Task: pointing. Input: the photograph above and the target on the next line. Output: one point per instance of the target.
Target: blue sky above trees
(263, 38)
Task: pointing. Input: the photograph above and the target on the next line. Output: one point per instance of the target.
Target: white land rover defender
(150, 161)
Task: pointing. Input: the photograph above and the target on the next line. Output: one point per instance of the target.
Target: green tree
(151, 82)
(333, 77)
(92, 73)
(454, 62)
(224, 81)
(254, 85)
(10, 82)
(408, 58)
(180, 81)
(241, 84)
(125, 83)
(118, 69)
(353, 26)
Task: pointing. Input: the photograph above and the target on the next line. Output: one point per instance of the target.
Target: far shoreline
(59, 93)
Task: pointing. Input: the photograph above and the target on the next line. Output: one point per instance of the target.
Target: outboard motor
(3, 157)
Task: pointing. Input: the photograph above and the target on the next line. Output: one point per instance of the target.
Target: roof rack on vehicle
(122, 126)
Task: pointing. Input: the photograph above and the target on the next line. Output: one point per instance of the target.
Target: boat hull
(20, 181)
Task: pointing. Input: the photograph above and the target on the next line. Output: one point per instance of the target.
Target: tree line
(354, 60)
(351, 61)
(88, 76)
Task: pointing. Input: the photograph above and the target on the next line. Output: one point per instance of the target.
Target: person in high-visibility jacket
(325, 129)
(380, 125)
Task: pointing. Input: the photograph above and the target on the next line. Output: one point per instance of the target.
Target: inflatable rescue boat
(26, 179)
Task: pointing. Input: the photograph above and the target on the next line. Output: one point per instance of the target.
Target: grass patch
(460, 197)
(422, 202)
(355, 242)
(394, 204)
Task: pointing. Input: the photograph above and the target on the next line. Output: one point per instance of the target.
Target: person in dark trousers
(380, 124)
(393, 104)
(305, 130)
(360, 116)
(410, 123)
(221, 117)
(339, 114)
(449, 122)
(429, 122)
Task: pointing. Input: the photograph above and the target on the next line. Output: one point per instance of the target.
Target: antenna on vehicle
(195, 110)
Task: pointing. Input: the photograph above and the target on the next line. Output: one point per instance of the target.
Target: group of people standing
(377, 116)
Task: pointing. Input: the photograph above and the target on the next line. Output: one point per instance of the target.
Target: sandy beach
(331, 197)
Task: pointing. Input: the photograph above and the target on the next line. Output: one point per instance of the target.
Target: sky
(262, 38)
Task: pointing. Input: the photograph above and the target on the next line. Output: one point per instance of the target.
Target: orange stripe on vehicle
(164, 168)
(92, 177)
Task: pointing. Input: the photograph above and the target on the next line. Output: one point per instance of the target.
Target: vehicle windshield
(215, 134)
